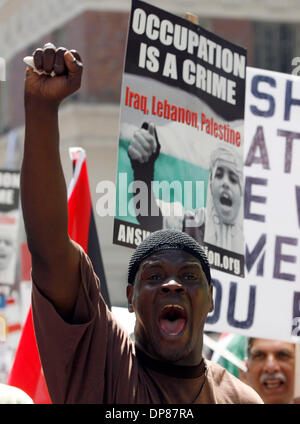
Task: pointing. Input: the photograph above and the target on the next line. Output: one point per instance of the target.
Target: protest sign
(297, 372)
(9, 224)
(181, 136)
(266, 303)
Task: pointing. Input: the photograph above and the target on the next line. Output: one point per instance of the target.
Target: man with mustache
(271, 369)
(87, 357)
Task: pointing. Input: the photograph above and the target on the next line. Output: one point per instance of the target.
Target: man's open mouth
(172, 319)
(273, 383)
(225, 199)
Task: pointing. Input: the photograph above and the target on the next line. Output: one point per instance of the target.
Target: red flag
(82, 226)
(26, 372)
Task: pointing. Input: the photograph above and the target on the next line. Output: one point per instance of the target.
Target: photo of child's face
(6, 249)
(226, 193)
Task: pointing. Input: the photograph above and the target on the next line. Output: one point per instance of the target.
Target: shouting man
(86, 355)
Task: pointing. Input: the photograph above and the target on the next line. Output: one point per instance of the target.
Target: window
(274, 46)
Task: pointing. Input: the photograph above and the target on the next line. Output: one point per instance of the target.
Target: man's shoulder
(228, 388)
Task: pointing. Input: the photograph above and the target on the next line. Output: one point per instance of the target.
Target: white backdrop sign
(266, 303)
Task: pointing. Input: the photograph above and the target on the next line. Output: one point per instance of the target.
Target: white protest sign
(266, 303)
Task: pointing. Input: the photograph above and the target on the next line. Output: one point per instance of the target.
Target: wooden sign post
(192, 18)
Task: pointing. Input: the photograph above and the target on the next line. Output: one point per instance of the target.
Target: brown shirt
(93, 360)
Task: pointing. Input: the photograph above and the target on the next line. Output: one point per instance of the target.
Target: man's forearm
(43, 189)
(55, 260)
(152, 221)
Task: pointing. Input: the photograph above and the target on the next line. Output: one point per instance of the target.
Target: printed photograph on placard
(9, 225)
(180, 157)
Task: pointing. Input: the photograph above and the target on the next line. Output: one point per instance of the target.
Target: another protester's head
(170, 291)
(270, 369)
(7, 246)
(226, 184)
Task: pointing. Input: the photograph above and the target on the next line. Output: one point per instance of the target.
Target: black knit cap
(166, 240)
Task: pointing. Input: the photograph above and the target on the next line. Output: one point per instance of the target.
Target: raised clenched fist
(143, 145)
(59, 74)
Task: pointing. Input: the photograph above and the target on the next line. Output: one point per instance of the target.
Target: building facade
(268, 29)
